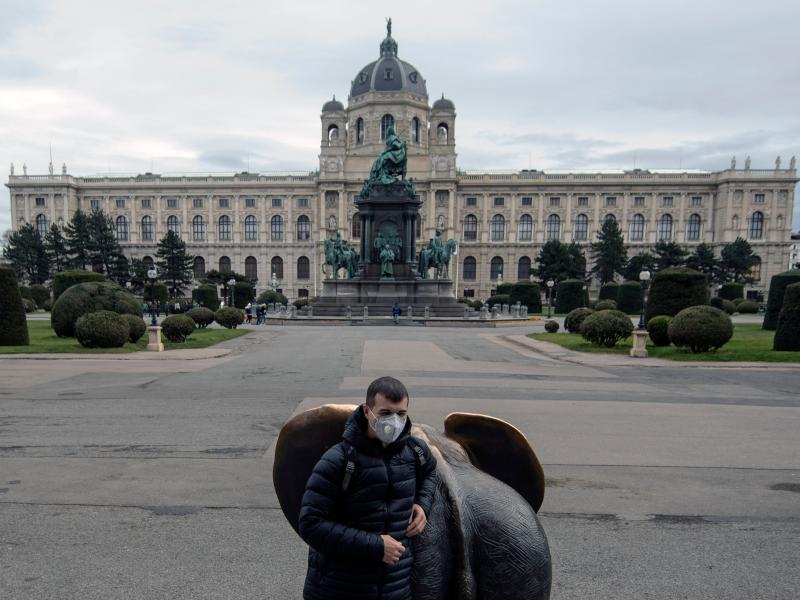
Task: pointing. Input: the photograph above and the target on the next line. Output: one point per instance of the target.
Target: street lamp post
(550, 284)
(231, 283)
(151, 275)
(644, 277)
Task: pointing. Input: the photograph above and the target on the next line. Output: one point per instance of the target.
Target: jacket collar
(355, 433)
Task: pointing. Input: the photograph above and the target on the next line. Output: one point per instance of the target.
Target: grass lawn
(749, 343)
(44, 339)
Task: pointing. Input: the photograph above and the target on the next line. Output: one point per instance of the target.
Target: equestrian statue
(339, 255)
(437, 255)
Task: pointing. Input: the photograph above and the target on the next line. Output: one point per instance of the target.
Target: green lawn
(749, 343)
(44, 340)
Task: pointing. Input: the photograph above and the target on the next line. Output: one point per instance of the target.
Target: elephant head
(483, 539)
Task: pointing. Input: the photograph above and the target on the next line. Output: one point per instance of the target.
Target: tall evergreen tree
(669, 254)
(559, 261)
(736, 260)
(120, 270)
(79, 239)
(703, 260)
(137, 275)
(26, 253)
(608, 252)
(56, 247)
(638, 263)
(173, 262)
(104, 248)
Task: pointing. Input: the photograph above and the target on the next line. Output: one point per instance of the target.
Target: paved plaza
(149, 476)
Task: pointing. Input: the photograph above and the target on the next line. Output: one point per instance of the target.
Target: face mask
(388, 428)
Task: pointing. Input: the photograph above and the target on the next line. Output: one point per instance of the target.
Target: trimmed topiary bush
(176, 328)
(606, 305)
(156, 291)
(731, 291)
(728, 306)
(504, 289)
(498, 299)
(606, 328)
(206, 296)
(630, 297)
(40, 294)
(102, 329)
(29, 305)
(551, 326)
(66, 279)
(777, 291)
(574, 319)
(229, 317)
(609, 291)
(243, 293)
(202, 316)
(13, 322)
(787, 335)
(747, 307)
(90, 297)
(716, 302)
(527, 294)
(25, 292)
(674, 289)
(569, 295)
(136, 327)
(477, 304)
(701, 328)
(269, 297)
(658, 328)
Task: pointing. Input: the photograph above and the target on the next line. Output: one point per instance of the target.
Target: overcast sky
(229, 86)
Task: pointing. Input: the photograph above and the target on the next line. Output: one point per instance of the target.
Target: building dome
(388, 73)
(332, 105)
(444, 104)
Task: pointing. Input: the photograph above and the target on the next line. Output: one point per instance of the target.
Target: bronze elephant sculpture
(483, 540)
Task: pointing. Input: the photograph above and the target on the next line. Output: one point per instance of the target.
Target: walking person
(395, 312)
(248, 311)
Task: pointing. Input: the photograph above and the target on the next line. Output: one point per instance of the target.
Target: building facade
(259, 224)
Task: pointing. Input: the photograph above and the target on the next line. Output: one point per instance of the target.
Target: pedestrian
(146, 308)
(177, 307)
(366, 498)
(157, 308)
(395, 312)
(166, 307)
(248, 311)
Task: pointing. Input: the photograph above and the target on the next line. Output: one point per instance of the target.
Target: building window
(360, 131)
(526, 201)
(665, 228)
(120, 202)
(199, 267)
(224, 228)
(759, 199)
(387, 122)
(302, 203)
(251, 268)
(302, 293)
(553, 227)
(40, 202)
(146, 203)
(198, 229)
(172, 203)
(697, 201)
(276, 228)
(755, 270)
(470, 228)
(757, 226)
(197, 203)
(610, 217)
(415, 130)
(495, 268)
(469, 293)
(225, 203)
(498, 228)
(525, 229)
(147, 229)
(173, 225)
(355, 228)
(42, 226)
(693, 228)
(94, 203)
(638, 201)
(277, 203)
(499, 201)
(303, 228)
(581, 228)
(472, 201)
(611, 200)
(224, 264)
(523, 268)
(555, 201)
(583, 201)
(250, 228)
(470, 268)
(122, 229)
(276, 266)
(303, 268)
(637, 228)
(666, 201)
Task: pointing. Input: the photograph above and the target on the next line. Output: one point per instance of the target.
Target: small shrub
(203, 317)
(674, 289)
(606, 328)
(716, 302)
(47, 305)
(136, 327)
(66, 279)
(609, 291)
(551, 326)
(176, 328)
(206, 296)
(40, 294)
(728, 306)
(90, 297)
(477, 305)
(29, 305)
(102, 329)
(498, 299)
(777, 292)
(747, 307)
(787, 335)
(658, 327)
(229, 317)
(301, 302)
(701, 328)
(13, 322)
(574, 319)
(731, 291)
(606, 305)
(569, 295)
(269, 297)
(630, 297)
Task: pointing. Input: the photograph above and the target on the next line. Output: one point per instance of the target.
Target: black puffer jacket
(343, 529)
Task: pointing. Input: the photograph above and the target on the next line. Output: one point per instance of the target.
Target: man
(367, 496)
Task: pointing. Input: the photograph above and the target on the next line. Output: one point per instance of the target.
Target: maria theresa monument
(289, 224)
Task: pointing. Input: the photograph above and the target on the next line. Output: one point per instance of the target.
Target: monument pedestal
(154, 343)
(639, 349)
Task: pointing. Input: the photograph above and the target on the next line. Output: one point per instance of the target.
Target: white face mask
(387, 428)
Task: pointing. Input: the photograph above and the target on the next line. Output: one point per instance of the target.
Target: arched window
(276, 228)
(498, 228)
(470, 228)
(611, 217)
(525, 229)
(199, 267)
(355, 228)
(147, 229)
(224, 228)
(755, 270)
(665, 228)
(42, 227)
(198, 229)
(277, 266)
(442, 133)
(224, 264)
(757, 225)
(251, 228)
(122, 229)
(415, 130)
(523, 268)
(303, 228)
(303, 268)
(553, 227)
(173, 225)
(360, 131)
(470, 269)
(495, 268)
(581, 228)
(636, 233)
(333, 134)
(148, 263)
(693, 227)
(387, 122)
(251, 268)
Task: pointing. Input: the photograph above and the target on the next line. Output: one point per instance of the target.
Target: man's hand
(417, 521)
(392, 549)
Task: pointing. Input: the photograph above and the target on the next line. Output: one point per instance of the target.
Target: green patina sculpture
(338, 255)
(388, 246)
(387, 258)
(390, 166)
(437, 255)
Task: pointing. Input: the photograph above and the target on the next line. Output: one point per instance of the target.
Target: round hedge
(270, 297)
(658, 328)
(40, 294)
(630, 297)
(102, 329)
(701, 328)
(201, 316)
(29, 305)
(206, 296)
(606, 305)
(66, 279)
(738, 301)
(747, 307)
(606, 328)
(777, 291)
(723, 304)
(574, 319)
(176, 328)
(551, 326)
(787, 335)
(13, 322)
(136, 327)
(477, 304)
(569, 295)
(609, 291)
(731, 291)
(229, 317)
(498, 299)
(90, 297)
(527, 294)
(674, 289)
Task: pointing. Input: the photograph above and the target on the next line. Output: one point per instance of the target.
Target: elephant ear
(301, 443)
(501, 450)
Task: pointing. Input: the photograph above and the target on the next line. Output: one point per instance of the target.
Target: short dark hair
(391, 389)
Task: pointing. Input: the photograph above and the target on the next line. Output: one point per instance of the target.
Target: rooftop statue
(390, 166)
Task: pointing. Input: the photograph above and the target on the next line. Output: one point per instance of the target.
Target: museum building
(261, 224)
